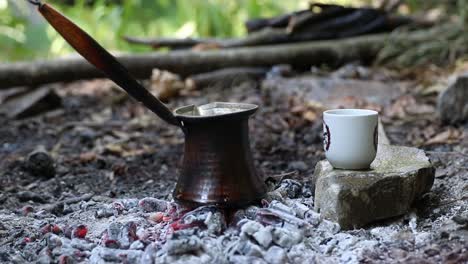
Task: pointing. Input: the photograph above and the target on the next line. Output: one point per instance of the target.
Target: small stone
(205, 217)
(237, 259)
(149, 254)
(118, 235)
(431, 252)
(281, 207)
(104, 211)
(82, 244)
(40, 163)
(250, 227)
(215, 223)
(183, 245)
(137, 245)
(452, 103)
(276, 255)
(150, 204)
(290, 188)
(461, 220)
(263, 237)
(300, 209)
(53, 241)
(247, 248)
(398, 176)
(105, 255)
(251, 211)
(286, 238)
(44, 257)
(312, 218)
(25, 196)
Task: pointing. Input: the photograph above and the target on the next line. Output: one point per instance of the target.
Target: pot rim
(187, 113)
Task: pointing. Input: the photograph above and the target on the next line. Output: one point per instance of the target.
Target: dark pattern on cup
(326, 137)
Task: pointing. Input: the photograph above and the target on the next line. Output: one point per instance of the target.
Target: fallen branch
(57, 208)
(274, 22)
(185, 63)
(173, 43)
(330, 22)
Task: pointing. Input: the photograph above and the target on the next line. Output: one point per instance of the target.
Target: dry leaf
(113, 149)
(166, 84)
(87, 157)
(398, 108)
(310, 116)
(449, 136)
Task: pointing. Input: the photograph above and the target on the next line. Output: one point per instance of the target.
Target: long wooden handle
(103, 60)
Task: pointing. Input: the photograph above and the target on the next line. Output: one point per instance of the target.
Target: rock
(290, 188)
(150, 204)
(111, 255)
(263, 237)
(138, 245)
(250, 227)
(25, 196)
(276, 255)
(237, 259)
(40, 163)
(286, 238)
(452, 103)
(183, 245)
(398, 176)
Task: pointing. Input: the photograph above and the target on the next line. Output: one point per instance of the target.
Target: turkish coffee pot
(217, 164)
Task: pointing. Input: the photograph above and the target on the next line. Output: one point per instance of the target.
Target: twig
(52, 207)
(274, 22)
(173, 43)
(443, 203)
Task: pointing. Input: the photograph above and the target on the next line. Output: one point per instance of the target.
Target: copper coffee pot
(217, 166)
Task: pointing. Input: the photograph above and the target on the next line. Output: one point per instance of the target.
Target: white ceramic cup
(350, 137)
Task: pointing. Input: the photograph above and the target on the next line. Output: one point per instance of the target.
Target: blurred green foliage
(25, 35)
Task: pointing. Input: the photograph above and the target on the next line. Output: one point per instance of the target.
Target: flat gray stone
(398, 176)
(452, 103)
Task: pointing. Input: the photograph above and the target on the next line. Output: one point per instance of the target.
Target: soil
(106, 144)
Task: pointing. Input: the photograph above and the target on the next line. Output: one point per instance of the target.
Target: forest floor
(106, 145)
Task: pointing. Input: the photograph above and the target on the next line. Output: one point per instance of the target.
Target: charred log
(333, 22)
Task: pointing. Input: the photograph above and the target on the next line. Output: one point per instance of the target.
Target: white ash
(283, 230)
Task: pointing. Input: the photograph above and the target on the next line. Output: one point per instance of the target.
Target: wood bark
(306, 27)
(299, 55)
(173, 43)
